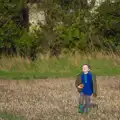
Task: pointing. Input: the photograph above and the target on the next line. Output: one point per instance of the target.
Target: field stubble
(57, 99)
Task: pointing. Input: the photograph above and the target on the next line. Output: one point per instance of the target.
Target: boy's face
(85, 68)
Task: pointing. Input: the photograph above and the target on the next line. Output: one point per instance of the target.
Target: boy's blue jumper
(86, 80)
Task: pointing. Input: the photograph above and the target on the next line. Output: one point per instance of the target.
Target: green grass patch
(8, 116)
(17, 68)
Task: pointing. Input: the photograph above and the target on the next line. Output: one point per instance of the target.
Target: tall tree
(107, 22)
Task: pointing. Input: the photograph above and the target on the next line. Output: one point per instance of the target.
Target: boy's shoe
(81, 108)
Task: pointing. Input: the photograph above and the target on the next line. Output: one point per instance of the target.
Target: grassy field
(65, 66)
(56, 99)
(53, 96)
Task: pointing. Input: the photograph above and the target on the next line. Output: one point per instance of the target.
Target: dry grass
(68, 65)
(56, 99)
(24, 64)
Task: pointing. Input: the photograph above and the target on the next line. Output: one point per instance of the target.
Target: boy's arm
(94, 85)
(78, 82)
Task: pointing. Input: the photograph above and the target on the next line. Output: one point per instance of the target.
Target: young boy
(87, 87)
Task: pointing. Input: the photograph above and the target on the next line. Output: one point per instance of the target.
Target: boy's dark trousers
(85, 102)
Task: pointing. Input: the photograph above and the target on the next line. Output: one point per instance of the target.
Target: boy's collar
(86, 73)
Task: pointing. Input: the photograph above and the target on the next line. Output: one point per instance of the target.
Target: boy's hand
(81, 86)
(94, 95)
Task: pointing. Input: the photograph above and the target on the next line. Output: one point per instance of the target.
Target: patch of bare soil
(57, 99)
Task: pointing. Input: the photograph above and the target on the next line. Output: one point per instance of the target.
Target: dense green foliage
(70, 26)
(107, 23)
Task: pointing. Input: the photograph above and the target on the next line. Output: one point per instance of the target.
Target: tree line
(71, 25)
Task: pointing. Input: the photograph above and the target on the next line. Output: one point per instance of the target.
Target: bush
(9, 33)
